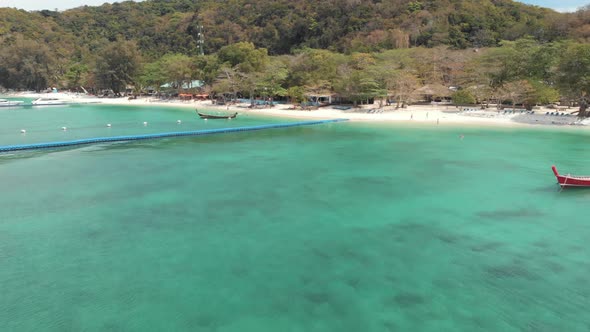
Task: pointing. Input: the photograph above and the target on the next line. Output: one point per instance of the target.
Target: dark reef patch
(510, 214)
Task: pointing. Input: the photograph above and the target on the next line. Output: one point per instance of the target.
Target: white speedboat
(10, 103)
(49, 101)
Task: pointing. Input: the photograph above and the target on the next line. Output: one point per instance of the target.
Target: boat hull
(50, 101)
(10, 103)
(571, 180)
(50, 104)
(210, 116)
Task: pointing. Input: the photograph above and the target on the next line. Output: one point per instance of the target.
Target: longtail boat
(211, 116)
(571, 180)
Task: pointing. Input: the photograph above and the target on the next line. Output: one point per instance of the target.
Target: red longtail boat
(571, 180)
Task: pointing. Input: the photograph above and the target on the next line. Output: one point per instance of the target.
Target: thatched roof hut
(432, 91)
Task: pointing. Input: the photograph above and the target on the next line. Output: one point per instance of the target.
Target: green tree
(311, 67)
(415, 6)
(296, 94)
(152, 75)
(573, 75)
(404, 83)
(177, 69)
(229, 82)
(206, 68)
(500, 66)
(244, 56)
(478, 77)
(76, 76)
(542, 94)
(518, 92)
(463, 97)
(117, 65)
(358, 85)
(274, 75)
(27, 64)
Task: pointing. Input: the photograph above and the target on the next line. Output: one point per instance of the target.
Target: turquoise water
(340, 227)
(45, 123)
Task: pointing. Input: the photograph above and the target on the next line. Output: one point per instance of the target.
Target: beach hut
(434, 92)
(319, 99)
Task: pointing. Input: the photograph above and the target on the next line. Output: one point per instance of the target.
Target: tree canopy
(363, 50)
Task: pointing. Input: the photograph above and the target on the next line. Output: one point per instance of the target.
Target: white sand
(423, 114)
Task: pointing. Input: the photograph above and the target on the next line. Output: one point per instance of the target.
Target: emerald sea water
(337, 227)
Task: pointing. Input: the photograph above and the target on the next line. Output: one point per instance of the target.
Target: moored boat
(571, 180)
(10, 103)
(49, 101)
(212, 116)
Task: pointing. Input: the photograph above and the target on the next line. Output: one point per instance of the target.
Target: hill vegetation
(358, 49)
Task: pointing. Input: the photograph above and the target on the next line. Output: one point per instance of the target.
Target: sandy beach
(434, 114)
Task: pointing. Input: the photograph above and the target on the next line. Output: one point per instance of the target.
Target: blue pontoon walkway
(36, 146)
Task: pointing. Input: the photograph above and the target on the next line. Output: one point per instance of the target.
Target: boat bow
(571, 180)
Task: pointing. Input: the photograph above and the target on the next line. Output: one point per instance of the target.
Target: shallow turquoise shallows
(337, 227)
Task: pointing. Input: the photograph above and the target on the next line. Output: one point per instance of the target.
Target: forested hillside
(160, 26)
(357, 48)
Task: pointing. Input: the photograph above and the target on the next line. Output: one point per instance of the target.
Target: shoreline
(415, 114)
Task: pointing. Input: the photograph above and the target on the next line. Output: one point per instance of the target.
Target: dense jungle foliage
(491, 49)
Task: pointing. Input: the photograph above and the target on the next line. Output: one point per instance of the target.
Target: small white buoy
(108, 125)
(64, 128)
(23, 131)
(205, 119)
(178, 121)
(145, 123)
